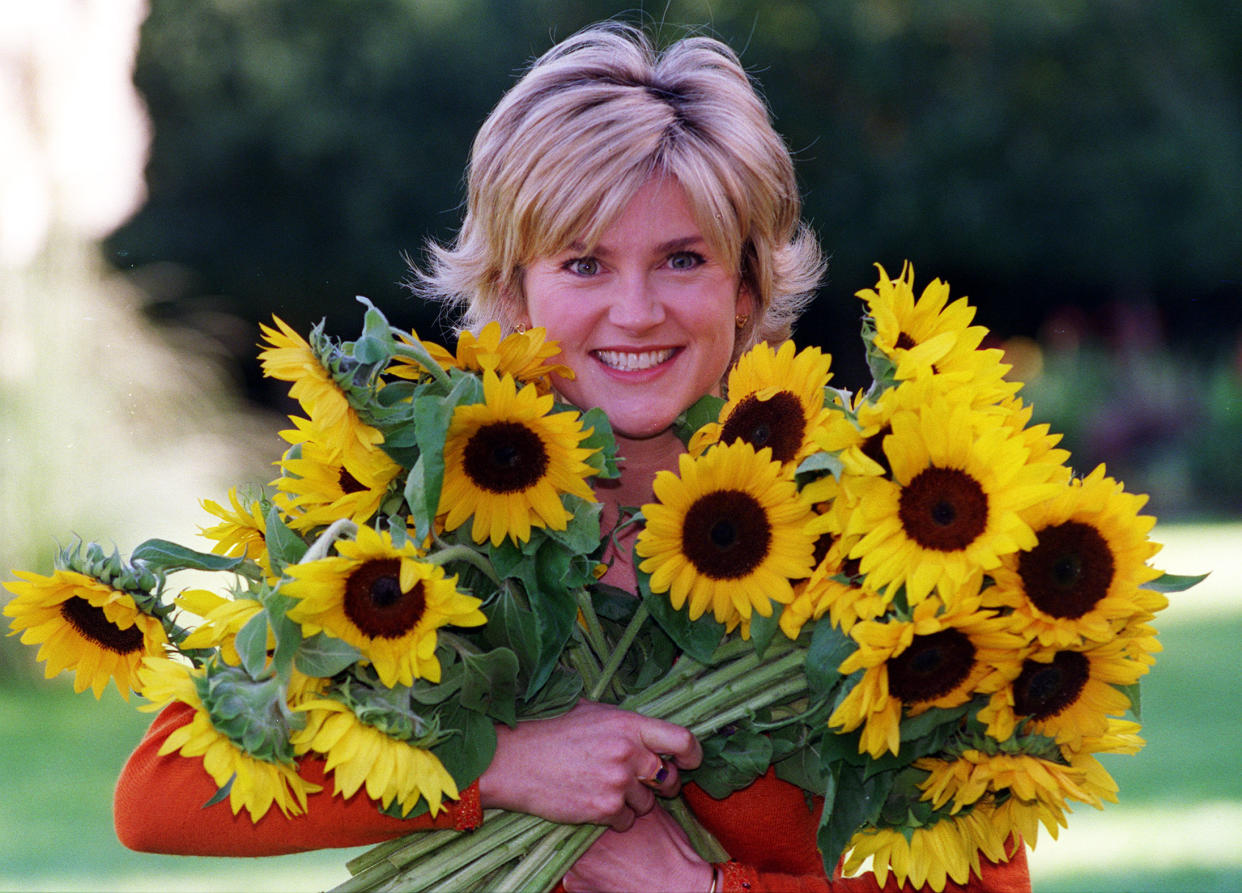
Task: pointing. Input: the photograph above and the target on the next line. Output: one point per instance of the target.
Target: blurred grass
(1176, 827)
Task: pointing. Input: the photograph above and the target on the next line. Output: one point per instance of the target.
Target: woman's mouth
(632, 361)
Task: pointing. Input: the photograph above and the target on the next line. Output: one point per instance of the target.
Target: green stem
(703, 841)
(319, 548)
(487, 858)
(582, 660)
(619, 652)
(594, 632)
(419, 354)
(707, 701)
(547, 863)
(460, 552)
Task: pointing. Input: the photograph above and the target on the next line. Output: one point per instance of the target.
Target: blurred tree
(1034, 155)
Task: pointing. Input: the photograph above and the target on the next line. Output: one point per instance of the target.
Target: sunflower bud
(252, 713)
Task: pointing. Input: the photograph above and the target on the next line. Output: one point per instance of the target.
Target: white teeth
(633, 362)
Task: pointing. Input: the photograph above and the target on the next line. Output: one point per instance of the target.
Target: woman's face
(646, 319)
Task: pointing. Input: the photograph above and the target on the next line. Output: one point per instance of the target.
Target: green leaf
(703, 411)
(1136, 704)
(164, 557)
(1174, 582)
(697, 638)
(468, 752)
(849, 803)
(432, 415)
(221, 795)
(324, 656)
(511, 625)
(288, 634)
(490, 684)
(581, 535)
(284, 546)
(763, 629)
(601, 439)
(829, 647)
(251, 644)
(806, 766)
(821, 463)
(732, 762)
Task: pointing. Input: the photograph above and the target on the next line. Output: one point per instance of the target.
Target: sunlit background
(173, 172)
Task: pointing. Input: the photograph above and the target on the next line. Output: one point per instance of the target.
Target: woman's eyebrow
(664, 247)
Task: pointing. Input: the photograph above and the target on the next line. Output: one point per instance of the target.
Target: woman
(644, 212)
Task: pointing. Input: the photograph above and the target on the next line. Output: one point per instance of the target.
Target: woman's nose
(636, 304)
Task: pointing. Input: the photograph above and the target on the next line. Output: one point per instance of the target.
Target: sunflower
(776, 400)
(938, 658)
(288, 357)
(1081, 577)
(83, 624)
(319, 485)
(254, 784)
(925, 337)
(523, 355)
(242, 532)
(976, 774)
(382, 600)
(222, 619)
(507, 462)
(834, 586)
(928, 856)
(952, 506)
(1064, 694)
(729, 533)
(358, 754)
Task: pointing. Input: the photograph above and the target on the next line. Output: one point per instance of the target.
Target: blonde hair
(592, 120)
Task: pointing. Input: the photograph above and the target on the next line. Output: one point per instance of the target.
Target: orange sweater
(767, 828)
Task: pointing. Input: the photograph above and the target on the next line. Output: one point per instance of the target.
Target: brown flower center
(777, 422)
(931, 667)
(1044, 690)
(92, 624)
(1069, 570)
(943, 509)
(905, 342)
(726, 534)
(348, 483)
(505, 457)
(873, 449)
(376, 604)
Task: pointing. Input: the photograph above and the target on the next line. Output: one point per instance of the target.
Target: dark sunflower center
(348, 483)
(905, 342)
(1044, 690)
(1069, 570)
(92, 624)
(873, 449)
(823, 545)
(777, 422)
(931, 667)
(726, 534)
(376, 604)
(943, 509)
(505, 457)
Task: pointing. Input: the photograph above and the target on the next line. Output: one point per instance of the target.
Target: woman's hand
(653, 855)
(595, 764)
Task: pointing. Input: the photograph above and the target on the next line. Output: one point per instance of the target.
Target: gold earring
(742, 319)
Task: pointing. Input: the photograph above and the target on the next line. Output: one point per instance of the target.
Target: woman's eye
(583, 266)
(685, 260)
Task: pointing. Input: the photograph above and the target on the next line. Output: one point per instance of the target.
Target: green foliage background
(1080, 153)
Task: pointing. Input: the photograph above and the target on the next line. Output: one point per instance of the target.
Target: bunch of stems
(520, 852)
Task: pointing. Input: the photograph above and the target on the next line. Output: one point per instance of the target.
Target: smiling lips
(625, 361)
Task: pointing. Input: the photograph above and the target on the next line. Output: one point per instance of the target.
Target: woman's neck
(639, 460)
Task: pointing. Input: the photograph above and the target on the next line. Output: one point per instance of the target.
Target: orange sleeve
(158, 808)
(1012, 876)
(769, 828)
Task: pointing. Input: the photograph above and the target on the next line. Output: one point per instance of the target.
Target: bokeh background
(173, 172)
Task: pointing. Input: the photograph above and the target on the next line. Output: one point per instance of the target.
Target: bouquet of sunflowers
(902, 600)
